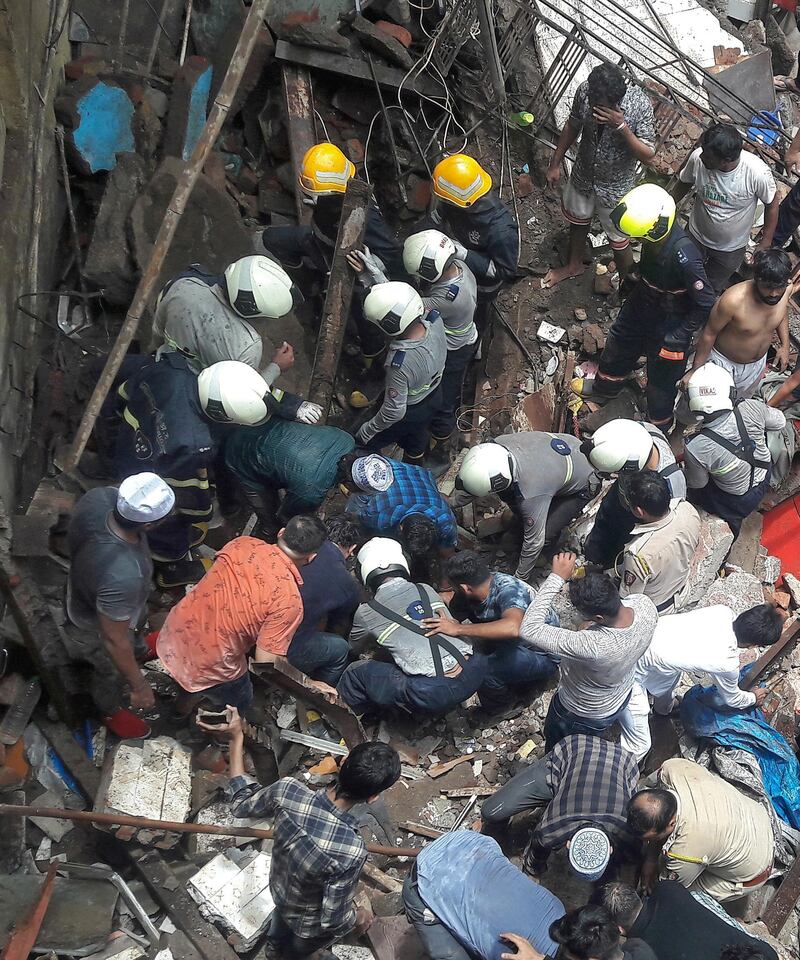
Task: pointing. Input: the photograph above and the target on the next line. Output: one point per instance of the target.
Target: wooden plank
(772, 655)
(339, 295)
(183, 911)
(299, 102)
(355, 69)
(439, 769)
(421, 830)
(461, 792)
(782, 904)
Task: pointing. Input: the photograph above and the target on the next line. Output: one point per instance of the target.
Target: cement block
(715, 542)
(98, 116)
(793, 586)
(233, 890)
(262, 55)
(109, 264)
(738, 590)
(187, 107)
(767, 568)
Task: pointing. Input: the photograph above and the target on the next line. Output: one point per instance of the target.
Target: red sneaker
(151, 639)
(127, 725)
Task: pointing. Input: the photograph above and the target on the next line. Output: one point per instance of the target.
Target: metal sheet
(750, 80)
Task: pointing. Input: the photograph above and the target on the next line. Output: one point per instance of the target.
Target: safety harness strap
(743, 450)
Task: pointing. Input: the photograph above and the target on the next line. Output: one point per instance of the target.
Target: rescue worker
(449, 287)
(429, 675)
(669, 304)
(300, 459)
(205, 317)
(727, 461)
(414, 367)
(543, 477)
(323, 179)
(655, 561)
(481, 225)
(621, 448)
(171, 420)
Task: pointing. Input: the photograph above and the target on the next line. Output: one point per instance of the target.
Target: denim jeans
(512, 664)
(561, 722)
(321, 656)
(283, 943)
(373, 683)
(731, 507)
(238, 693)
(437, 940)
(526, 791)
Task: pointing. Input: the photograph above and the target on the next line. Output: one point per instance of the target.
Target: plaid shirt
(413, 491)
(317, 854)
(592, 781)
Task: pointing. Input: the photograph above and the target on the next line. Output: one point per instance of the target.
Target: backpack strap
(437, 642)
(744, 449)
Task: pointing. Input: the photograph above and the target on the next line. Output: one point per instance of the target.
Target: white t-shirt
(700, 641)
(725, 206)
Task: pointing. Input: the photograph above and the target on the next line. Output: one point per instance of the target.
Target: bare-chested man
(744, 321)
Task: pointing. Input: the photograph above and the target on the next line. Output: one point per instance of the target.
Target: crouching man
(318, 853)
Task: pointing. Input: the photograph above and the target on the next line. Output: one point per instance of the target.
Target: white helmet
(233, 392)
(428, 254)
(393, 306)
(381, 555)
(259, 287)
(619, 445)
(711, 389)
(487, 468)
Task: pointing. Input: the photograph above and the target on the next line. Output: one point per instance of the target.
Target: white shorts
(746, 376)
(580, 209)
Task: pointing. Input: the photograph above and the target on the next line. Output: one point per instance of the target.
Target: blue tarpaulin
(704, 718)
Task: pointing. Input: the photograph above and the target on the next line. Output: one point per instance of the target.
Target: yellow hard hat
(325, 170)
(460, 180)
(647, 212)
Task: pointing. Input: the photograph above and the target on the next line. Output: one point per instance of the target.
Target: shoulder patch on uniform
(630, 579)
(415, 611)
(452, 292)
(681, 257)
(560, 446)
(393, 393)
(398, 358)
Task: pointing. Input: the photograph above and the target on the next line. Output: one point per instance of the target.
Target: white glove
(309, 412)
(461, 250)
(373, 267)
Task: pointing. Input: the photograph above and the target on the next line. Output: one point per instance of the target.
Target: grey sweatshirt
(597, 665)
(456, 301)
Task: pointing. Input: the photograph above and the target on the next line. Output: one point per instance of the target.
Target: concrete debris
(314, 34)
(56, 830)
(187, 107)
(378, 41)
(233, 891)
(344, 952)
(122, 947)
(793, 586)
(287, 715)
(767, 568)
(738, 590)
(715, 542)
(220, 814)
(98, 117)
(109, 264)
(153, 780)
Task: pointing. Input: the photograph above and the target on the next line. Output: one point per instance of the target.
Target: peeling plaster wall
(23, 34)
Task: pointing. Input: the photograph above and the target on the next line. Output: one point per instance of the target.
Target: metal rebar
(145, 823)
(166, 233)
(123, 30)
(187, 24)
(73, 223)
(151, 59)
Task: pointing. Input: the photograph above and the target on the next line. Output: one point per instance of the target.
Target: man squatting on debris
(425, 626)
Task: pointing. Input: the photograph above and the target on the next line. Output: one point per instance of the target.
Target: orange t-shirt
(250, 597)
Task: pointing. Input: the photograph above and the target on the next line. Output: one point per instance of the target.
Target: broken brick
(524, 185)
(380, 42)
(88, 66)
(395, 30)
(354, 149)
(418, 192)
(782, 599)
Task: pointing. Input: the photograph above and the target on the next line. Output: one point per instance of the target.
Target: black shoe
(181, 573)
(480, 717)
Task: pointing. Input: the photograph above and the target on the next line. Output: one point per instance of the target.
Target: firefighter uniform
(413, 392)
(194, 318)
(454, 300)
(669, 304)
(488, 232)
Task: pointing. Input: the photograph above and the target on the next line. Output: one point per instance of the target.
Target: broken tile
(220, 814)
(56, 830)
(235, 895)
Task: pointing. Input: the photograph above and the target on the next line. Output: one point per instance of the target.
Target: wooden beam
(339, 294)
(774, 653)
(782, 904)
(355, 69)
(73, 756)
(299, 102)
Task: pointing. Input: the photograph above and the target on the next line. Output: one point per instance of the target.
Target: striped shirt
(317, 854)
(592, 781)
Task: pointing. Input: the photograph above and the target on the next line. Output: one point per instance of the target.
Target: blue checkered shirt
(317, 854)
(413, 490)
